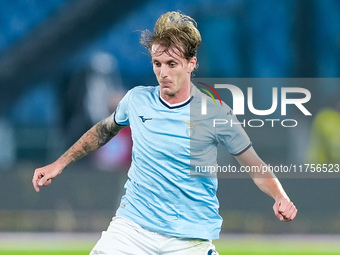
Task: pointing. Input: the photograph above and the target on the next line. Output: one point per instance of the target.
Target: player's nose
(163, 72)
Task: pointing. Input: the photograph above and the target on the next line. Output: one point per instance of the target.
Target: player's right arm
(93, 139)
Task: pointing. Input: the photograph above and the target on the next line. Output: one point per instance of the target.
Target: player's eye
(172, 64)
(156, 64)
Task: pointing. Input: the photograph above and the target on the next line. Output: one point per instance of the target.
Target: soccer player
(164, 209)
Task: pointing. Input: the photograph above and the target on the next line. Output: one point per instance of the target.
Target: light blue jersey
(160, 193)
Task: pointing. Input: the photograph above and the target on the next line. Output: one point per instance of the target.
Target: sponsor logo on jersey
(144, 119)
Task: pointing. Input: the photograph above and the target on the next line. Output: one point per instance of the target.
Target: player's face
(172, 71)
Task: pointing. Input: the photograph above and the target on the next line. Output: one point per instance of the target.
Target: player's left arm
(284, 209)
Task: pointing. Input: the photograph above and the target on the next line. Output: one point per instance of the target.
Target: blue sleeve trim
(244, 150)
(114, 119)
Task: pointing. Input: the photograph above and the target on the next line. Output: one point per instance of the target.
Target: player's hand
(284, 209)
(43, 176)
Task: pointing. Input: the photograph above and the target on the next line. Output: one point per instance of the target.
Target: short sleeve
(231, 132)
(121, 116)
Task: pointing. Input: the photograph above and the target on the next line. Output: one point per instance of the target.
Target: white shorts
(124, 237)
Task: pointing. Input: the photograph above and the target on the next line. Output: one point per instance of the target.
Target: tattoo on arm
(96, 137)
(74, 156)
(104, 133)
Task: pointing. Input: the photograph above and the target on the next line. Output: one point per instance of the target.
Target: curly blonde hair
(174, 30)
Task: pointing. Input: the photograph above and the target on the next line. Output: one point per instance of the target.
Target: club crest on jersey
(190, 131)
(212, 252)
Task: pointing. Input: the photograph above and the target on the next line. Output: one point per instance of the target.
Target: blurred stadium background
(64, 64)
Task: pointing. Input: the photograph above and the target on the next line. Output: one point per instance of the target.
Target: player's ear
(192, 64)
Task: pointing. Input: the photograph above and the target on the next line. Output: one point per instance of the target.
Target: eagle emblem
(190, 131)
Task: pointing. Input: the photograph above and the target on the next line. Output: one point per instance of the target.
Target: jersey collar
(193, 90)
(174, 106)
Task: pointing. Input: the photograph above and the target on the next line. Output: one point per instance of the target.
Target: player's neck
(180, 97)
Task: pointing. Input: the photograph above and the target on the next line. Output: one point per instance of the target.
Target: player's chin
(168, 91)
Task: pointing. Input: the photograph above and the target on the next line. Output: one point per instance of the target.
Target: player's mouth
(165, 84)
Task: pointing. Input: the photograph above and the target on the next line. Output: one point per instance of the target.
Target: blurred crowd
(241, 38)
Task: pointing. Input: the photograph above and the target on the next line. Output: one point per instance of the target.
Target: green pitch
(228, 246)
(221, 252)
(44, 252)
(277, 246)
